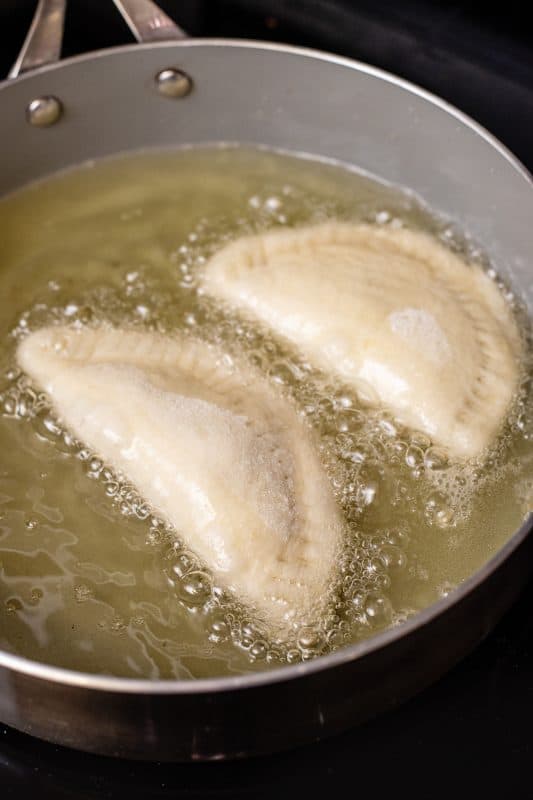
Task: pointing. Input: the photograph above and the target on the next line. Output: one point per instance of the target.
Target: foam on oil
(90, 578)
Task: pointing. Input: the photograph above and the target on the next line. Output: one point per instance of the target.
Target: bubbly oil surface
(90, 578)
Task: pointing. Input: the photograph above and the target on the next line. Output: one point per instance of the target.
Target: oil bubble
(366, 493)
(349, 420)
(185, 562)
(420, 440)
(382, 581)
(388, 427)
(293, 656)
(444, 517)
(358, 600)
(281, 373)
(155, 537)
(436, 459)
(36, 595)
(414, 456)
(94, 468)
(219, 631)
(378, 608)
(48, 427)
(13, 604)
(310, 639)
(194, 588)
(392, 557)
(12, 374)
(272, 203)
(9, 405)
(258, 650)
(142, 510)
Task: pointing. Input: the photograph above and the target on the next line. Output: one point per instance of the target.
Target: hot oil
(90, 578)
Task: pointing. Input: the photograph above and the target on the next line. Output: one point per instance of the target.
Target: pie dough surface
(392, 309)
(212, 447)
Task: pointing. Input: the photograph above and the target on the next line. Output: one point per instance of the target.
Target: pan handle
(43, 42)
(147, 22)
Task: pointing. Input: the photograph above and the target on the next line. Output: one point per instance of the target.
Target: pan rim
(201, 686)
(307, 52)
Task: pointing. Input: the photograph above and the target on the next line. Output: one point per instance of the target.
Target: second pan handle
(146, 21)
(43, 42)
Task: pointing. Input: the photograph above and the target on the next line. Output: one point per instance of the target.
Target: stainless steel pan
(169, 91)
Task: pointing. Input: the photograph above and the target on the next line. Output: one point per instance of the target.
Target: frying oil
(90, 578)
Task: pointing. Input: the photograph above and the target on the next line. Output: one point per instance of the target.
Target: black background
(472, 732)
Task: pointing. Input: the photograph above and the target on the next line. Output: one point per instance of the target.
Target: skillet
(169, 91)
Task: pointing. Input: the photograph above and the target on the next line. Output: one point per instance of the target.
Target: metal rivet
(173, 83)
(44, 111)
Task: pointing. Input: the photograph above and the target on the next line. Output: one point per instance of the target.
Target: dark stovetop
(472, 731)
